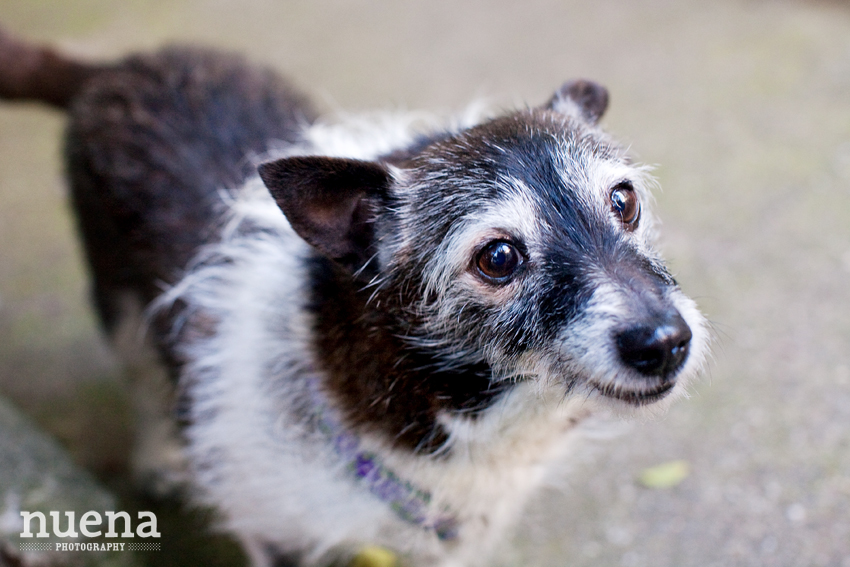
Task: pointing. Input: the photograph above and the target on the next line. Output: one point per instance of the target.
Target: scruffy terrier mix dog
(380, 335)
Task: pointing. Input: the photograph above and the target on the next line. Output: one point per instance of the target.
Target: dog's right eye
(498, 261)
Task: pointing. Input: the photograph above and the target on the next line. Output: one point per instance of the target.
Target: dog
(376, 332)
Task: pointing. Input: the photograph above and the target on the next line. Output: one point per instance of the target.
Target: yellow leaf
(374, 556)
(665, 475)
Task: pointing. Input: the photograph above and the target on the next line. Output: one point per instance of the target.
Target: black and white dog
(387, 332)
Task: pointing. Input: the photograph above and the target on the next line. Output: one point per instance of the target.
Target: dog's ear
(587, 98)
(330, 202)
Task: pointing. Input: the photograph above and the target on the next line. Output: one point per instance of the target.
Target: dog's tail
(39, 73)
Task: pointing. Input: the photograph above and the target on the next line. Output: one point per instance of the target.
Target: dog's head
(523, 243)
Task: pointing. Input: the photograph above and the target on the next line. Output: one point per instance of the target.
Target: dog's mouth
(637, 396)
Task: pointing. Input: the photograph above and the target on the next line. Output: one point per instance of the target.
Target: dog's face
(523, 243)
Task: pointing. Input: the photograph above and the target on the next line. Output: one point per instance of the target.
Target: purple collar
(411, 503)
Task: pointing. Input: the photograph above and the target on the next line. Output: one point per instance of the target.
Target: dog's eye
(498, 261)
(625, 204)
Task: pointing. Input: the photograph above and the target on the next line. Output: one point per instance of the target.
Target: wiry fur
(259, 396)
(488, 463)
(347, 371)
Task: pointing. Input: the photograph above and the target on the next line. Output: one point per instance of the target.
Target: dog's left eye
(625, 204)
(498, 261)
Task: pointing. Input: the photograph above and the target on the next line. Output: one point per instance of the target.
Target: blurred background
(743, 105)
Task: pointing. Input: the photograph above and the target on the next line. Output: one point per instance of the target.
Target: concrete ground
(746, 107)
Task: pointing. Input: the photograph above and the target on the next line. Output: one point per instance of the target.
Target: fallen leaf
(665, 475)
(374, 556)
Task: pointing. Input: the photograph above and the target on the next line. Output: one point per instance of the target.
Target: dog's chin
(636, 395)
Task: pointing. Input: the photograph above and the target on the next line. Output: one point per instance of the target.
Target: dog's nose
(658, 348)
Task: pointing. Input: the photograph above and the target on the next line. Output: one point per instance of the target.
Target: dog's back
(151, 143)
